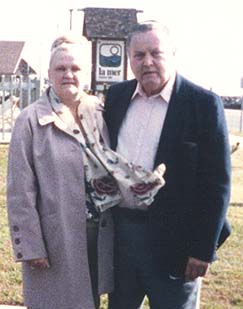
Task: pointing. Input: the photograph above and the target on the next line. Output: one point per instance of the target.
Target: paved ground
(234, 120)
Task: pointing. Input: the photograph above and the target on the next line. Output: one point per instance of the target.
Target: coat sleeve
(214, 173)
(22, 193)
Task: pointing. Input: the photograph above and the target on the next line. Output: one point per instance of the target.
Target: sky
(208, 33)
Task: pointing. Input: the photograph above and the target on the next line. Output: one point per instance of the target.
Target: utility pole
(241, 112)
(70, 19)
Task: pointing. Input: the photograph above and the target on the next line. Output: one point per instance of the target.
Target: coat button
(103, 223)
(15, 228)
(76, 131)
(19, 255)
(17, 241)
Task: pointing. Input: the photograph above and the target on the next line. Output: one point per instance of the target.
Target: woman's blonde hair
(68, 40)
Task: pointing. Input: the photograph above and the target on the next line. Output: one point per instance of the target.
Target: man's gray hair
(146, 26)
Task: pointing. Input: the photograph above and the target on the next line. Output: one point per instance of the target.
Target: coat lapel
(173, 125)
(46, 115)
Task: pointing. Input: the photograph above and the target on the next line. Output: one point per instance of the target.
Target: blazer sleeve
(22, 194)
(214, 173)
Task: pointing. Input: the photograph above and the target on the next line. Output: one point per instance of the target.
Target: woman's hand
(38, 264)
(159, 172)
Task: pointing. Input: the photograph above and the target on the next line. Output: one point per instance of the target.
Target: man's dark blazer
(188, 216)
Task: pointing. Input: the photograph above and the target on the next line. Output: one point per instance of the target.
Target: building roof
(10, 53)
(24, 68)
(11, 61)
(108, 22)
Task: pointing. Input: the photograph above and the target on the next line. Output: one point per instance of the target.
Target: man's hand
(39, 264)
(195, 268)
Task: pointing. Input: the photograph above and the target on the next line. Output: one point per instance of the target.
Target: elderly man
(162, 117)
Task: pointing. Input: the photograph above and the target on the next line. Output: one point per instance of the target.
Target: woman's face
(66, 73)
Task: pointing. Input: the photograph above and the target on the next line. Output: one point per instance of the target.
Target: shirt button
(103, 223)
(17, 241)
(76, 131)
(15, 228)
(19, 255)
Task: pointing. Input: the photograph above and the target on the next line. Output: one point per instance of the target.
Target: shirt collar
(165, 93)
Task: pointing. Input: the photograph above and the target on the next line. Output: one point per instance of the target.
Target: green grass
(10, 277)
(222, 287)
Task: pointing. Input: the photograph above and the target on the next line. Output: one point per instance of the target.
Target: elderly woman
(62, 180)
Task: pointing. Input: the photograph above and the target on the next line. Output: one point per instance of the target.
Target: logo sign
(110, 61)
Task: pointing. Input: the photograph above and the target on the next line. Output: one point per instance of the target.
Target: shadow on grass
(236, 204)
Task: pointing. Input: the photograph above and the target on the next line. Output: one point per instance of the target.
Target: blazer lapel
(173, 124)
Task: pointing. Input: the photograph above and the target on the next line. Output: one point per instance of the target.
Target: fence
(234, 119)
(16, 92)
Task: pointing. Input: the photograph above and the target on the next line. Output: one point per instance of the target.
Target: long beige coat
(46, 208)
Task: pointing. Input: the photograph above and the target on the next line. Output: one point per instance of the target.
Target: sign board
(110, 61)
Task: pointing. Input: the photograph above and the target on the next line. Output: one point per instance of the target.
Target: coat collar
(45, 113)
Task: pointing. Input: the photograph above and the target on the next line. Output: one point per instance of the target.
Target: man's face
(66, 74)
(152, 60)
